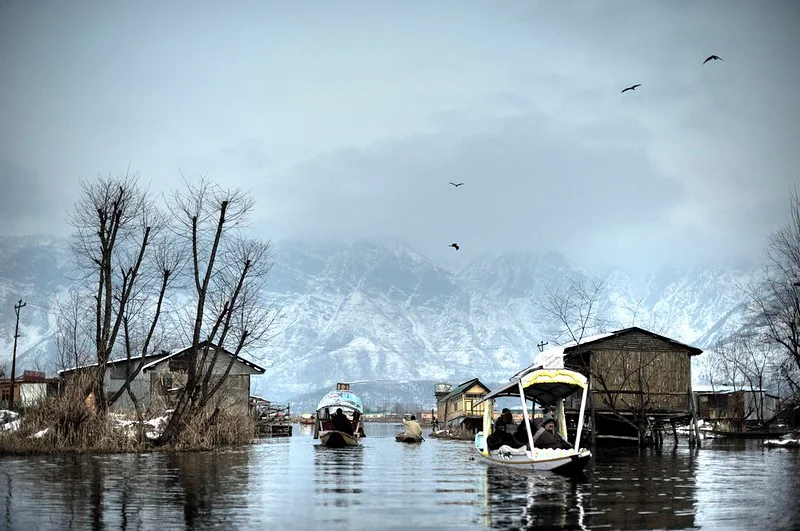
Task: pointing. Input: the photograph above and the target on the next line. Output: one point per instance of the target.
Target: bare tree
(73, 345)
(743, 364)
(225, 274)
(775, 300)
(116, 226)
(574, 309)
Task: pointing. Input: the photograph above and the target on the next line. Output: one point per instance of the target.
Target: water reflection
(528, 500)
(635, 488)
(296, 483)
(338, 471)
(208, 486)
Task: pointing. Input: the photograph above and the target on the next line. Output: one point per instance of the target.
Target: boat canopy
(543, 386)
(343, 399)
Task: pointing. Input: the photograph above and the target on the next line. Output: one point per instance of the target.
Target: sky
(347, 120)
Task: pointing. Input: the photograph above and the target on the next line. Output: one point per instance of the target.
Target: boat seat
(327, 425)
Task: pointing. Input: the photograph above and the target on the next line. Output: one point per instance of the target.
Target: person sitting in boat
(548, 437)
(507, 420)
(341, 422)
(412, 428)
(521, 435)
(500, 437)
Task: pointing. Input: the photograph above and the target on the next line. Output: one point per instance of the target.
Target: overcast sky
(348, 119)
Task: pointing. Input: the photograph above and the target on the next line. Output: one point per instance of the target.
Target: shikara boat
(350, 404)
(405, 438)
(543, 387)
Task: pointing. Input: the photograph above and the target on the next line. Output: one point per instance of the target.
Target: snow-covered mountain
(377, 312)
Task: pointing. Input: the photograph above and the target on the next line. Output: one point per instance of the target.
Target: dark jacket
(499, 438)
(549, 439)
(521, 435)
(342, 423)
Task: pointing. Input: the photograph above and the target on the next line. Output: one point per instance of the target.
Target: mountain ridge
(374, 311)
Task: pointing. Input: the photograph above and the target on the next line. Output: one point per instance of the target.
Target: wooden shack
(455, 408)
(271, 419)
(639, 381)
(736, 409)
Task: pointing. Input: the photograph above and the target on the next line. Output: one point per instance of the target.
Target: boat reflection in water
(514, 499)
(338, 480)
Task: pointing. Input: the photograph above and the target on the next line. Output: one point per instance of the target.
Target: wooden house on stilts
(640, 381)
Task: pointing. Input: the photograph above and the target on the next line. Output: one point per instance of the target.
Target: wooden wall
(635, 371)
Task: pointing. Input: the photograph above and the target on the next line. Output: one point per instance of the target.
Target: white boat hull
(541, 460)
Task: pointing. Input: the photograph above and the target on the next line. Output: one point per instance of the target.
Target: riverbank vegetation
(68, 424)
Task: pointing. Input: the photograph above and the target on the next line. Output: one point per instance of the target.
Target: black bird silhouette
(456, 184)
(632, 87)
(454, 246)
(712, 58)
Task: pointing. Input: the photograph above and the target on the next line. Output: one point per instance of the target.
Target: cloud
(531, 184)
(348, 120)
(29, 201)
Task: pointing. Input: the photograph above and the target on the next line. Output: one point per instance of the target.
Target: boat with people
(339, 420)
(546, 388)
(412, 432)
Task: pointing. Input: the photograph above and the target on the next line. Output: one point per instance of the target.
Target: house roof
(178, 353)
(462, 388)
(704, 389)
(573, 346)
(115, 361)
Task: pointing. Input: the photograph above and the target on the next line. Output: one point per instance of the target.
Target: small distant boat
(353, 409)
(306, 418)
(405, 438)
(546, 387)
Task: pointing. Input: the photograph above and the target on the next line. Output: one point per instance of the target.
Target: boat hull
(569, 465)
(337, 439)
(402, 437)
(566, 462)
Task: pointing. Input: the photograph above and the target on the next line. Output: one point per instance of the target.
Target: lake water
(293, 483)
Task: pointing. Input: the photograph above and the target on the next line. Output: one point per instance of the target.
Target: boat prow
(337, 439)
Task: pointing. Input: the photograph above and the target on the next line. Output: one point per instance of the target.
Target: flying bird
(712, 58)
(456, 184)
(632, 87)
(454, 246)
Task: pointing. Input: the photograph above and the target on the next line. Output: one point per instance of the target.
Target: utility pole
(541, 345)
(17, 308)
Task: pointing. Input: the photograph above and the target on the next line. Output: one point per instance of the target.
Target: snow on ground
(790, 440)
(10, 421)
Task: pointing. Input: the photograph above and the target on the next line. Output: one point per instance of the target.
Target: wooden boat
(350, 404)
(404, 438)
(545, 387)
(306, 418)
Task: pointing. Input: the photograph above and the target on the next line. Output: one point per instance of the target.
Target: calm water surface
(293, 483)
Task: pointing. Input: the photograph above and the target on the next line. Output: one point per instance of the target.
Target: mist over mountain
(384, 315)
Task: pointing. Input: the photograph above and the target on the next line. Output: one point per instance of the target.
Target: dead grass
(214, 429)
(71, 427)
